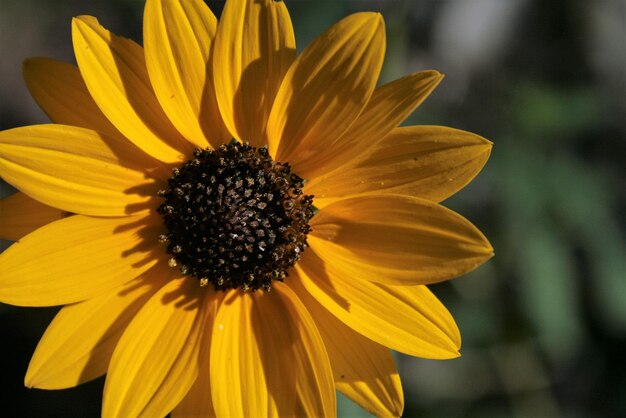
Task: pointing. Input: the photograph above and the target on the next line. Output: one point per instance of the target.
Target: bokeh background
(544, 322)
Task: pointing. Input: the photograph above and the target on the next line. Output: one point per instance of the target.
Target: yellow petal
(198, 402)
(364, 371)
(157, 359)
(114, 71)
(254, 47)
(20, 215)
(252, 357)
(314, 379)
(398, 240)
(78, 344)
(76, 170)
(431, 162)
(388, 107)
(326, 88)
(60, 91)
(265, 350)
(178, 37)
(408, 319)
(77, 258)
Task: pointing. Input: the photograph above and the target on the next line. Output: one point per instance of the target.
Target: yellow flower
(163, 237)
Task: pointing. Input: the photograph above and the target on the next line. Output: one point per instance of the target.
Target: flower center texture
(235, 218)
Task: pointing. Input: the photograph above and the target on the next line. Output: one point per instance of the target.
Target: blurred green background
(544, 322)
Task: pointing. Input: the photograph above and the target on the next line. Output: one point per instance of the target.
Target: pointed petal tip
(431, 74)
(32, 63)
(85, 20)
(487, 254)
(32, 381)
(370, 18)
(486, 142)
(451, 352)
(35, 380)
(81, 19)
(482, 140)
(78, 21)
(28, 63)
(433, 78)
(29, 381)
(396, 409)
(380, 21)
(489, 251)
(29, 66)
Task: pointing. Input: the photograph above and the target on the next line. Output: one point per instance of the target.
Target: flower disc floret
(235, 217)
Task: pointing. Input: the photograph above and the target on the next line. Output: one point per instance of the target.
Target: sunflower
(234, 230)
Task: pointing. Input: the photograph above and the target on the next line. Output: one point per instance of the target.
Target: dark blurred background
(544, 322)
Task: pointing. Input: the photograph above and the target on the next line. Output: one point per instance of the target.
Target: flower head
(234, 230)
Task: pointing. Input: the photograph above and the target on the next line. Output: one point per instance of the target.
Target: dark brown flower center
(235, 218)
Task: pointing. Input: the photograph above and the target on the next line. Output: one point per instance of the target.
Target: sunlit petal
(266, 350)
(77, 258)
(314, 380)
(198, 402)
(78, 344)
(326, 88)
(389, 105)
(114, 71)
(76, 170)
(408, 319)
(394, 239)
(60, 91)
(21, 215)
(178, 40)
(255, 46)
(158, 357)
(250, 351)
(431, 162)
(363, 370)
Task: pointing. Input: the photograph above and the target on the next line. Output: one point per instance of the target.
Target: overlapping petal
(21, 215)
(250, 349)
(77, 258)
(263, 346)
(59, 89)
(114, 70)
(255, 46)
(363, 370)
(178, 40)
(326, 88)
(431, 162)
(387, 108)
(78, 344)
(198, 401)
(314, 379)
(158, 357)
(399, 240)
(408, 319)
(77, 170)
(169, 345)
